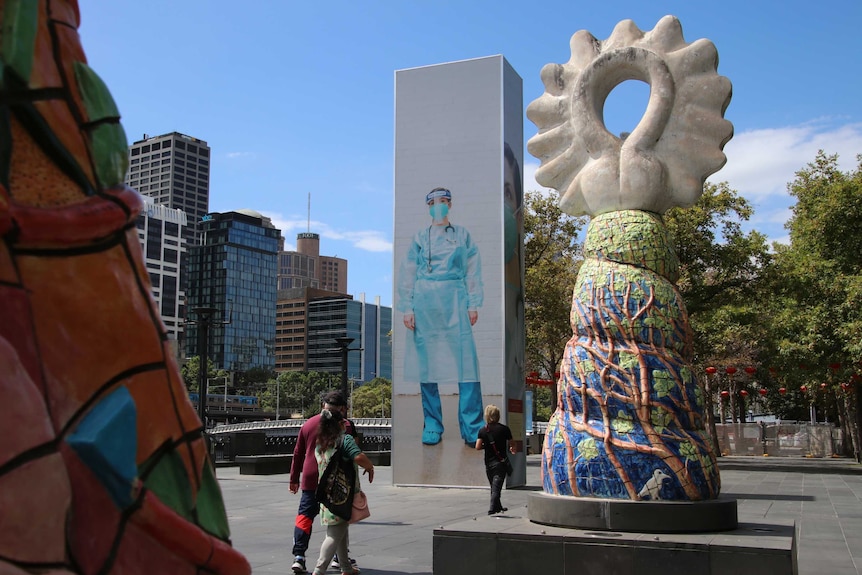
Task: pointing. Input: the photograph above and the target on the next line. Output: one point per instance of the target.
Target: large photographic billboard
(458, 342)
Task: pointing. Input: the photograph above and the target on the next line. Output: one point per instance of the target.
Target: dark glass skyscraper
(234, 270)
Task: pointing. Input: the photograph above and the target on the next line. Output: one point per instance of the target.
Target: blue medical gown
(439, 280)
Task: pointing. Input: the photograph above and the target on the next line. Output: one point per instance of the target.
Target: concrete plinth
(634, 516)
(509, 545)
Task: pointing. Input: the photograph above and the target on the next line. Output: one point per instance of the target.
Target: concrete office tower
(291, 321)
(341, 316)
(174, 170)
(160, 231)
(307, 268)
(309, 319)
(234, 271)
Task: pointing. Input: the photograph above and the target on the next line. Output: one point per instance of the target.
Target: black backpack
(336, 487)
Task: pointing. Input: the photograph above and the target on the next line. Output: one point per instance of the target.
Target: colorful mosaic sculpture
(629, 422)
(103, 467)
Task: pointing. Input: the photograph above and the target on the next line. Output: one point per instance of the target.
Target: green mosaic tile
(20, 23)
(211, 512)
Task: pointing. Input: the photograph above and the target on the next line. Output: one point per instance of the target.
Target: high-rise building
(234, 272)
(307, 268)
(174, 170)
(160, 231)
(369, 325)
(290, 325)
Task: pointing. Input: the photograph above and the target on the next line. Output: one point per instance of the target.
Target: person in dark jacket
(305, 464)
(494, 438)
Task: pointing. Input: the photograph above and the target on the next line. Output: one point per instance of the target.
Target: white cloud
(366, 240)
(234, 155)
(760, 163)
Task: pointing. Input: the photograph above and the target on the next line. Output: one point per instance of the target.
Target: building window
(156, 146)
(181, 145)
(166, 144)
(145, 149)
(136, 151)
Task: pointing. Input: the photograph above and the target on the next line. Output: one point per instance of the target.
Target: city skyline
(295, 99)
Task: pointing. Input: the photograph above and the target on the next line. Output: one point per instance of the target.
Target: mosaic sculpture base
(635, 516)
(509, 545)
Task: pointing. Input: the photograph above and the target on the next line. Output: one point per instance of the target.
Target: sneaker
(299, 565)
(336, 565)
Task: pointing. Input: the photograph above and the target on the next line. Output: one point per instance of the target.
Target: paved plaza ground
(823, 496)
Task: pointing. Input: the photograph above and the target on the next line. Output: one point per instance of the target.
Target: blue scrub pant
(469, 409)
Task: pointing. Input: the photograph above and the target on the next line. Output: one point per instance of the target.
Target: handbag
(336, 487)
(504, 460)
(360, 508)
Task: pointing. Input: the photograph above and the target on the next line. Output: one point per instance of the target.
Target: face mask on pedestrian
(439, 211)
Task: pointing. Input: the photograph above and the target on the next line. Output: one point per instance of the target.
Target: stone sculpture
(103, 466)
(629, 422)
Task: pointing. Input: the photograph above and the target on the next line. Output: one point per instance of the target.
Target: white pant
(335, 542)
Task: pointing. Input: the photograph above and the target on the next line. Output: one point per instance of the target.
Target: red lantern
(845, 386)
(823, 385)
(803, 388)
(556, 375)
(743, 393)
(762, 391)
(725, 394)
(835, 366)
(730, 370)
(534, 374)
(750, 370)
(711, 370)
(782, 390)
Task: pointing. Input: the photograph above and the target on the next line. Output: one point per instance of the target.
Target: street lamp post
(204, 315)
(344, 348)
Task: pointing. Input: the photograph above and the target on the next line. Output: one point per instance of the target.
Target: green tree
(296, 393)
(817, 316)
(190, 372)
(551, 261)
(721, 281)
(373, 399)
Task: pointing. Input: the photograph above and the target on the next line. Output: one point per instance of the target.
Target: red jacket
(303, 454)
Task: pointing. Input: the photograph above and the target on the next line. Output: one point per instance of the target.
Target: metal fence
(773, 438)
(779, 439)
(279, 437)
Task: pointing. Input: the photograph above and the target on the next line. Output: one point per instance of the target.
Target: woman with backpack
(330, 438)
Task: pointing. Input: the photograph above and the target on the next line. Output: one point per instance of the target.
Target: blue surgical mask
(439, 211)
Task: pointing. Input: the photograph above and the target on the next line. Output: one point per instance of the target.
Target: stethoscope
(449, 238)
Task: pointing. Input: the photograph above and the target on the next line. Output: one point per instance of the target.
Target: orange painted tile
(26, 425)
(37, 489)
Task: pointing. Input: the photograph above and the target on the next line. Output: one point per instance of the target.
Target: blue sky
(297, 97)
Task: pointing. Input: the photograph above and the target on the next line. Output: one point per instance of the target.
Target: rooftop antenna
(309, 213)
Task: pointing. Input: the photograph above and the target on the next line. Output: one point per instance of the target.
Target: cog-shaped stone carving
(677, 144)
